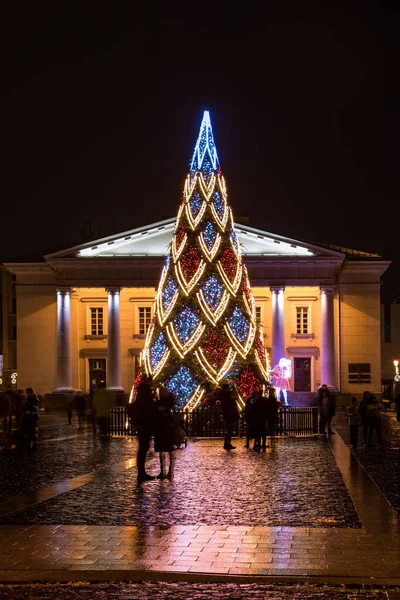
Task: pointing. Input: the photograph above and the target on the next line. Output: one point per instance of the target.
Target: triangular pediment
(154, 240)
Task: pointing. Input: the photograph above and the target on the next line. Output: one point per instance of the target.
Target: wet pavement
(305, 510)
(198, 591)
(294, 483)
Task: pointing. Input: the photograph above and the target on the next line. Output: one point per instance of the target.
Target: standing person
(164, 430)
(354, 421)
(70, 405)
(80, 405)
(230, 413)
(20, 407)
(5, 409)
(250, 420)
(13, 403)
(260, 421)
(102, 402)
(374, 420)
(142, 414)
(272, 412)
(327, 404)
(30, 422)
(363, 416)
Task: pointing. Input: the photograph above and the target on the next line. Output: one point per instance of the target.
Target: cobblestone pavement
(59, 459)
(294, 483)
(197, 591)
(381, 464)
(304, 509)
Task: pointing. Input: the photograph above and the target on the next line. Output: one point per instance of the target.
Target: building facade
(82, 314)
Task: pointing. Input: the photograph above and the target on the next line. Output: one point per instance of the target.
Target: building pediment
(154, 240)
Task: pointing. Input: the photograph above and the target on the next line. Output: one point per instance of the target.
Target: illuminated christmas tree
(204, 329)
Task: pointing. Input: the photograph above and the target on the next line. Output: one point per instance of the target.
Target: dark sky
(101, 106)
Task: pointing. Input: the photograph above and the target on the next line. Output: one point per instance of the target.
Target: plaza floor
(305, 511)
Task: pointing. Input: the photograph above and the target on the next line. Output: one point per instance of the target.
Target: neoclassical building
(82, 314)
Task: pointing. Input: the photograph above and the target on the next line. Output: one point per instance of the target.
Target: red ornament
(229, 263)
(190, 262)
(180, 234)
(215, 349)
(248, 383)
(260, 349)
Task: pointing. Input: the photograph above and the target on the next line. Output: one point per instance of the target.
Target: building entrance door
(302, 374)
(97, 372)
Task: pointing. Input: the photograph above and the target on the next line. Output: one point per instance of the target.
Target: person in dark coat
(30, 422)
(164, 431)
(142, 413)
(260, 421)
(80, 405)
(250, 419)
(5, 409)
(327, 404)
(272, 410)
(230, 413)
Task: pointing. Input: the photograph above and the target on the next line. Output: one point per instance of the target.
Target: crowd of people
(154, 414)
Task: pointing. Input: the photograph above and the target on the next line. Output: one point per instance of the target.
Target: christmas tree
(204, 329)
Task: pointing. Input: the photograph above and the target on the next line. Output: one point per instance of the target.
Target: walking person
(142, 414)
(272, 412)
(374, 420)
(70, 405)
(164, 431)
(397, 401)
(30, 422)
(327, 410)
(230, 413)
(250, 420)
(354, 422)
(260, 421)
(80, 405)
(5, 409)
(21, 401)
(102, 402)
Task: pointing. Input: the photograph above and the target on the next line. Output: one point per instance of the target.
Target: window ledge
(302, 336)
(139, 336)
(95, 337)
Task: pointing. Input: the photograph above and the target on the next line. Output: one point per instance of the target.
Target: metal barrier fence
(208, 422)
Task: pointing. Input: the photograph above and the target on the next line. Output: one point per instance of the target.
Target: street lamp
(397, 374)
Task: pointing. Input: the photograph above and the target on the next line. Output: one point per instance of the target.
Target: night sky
(101, 106)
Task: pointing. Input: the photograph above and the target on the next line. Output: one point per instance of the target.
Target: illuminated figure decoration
(204, 329)
(281, 374)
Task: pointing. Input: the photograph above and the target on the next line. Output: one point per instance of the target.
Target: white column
(64, 370)
(328, 370)
(278, 329)
(113, 339)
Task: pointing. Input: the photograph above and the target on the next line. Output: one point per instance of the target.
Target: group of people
(367, 415)
(153, 414)
(21, 409)
(261, 414)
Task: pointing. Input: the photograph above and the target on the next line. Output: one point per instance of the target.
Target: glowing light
(205, 146)
(397, 374)
(166, 300)
(234, 285)
(14, 378)
(176, 252)
(215, 295)
(183, 385)
(210, 249)
(188, 286)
